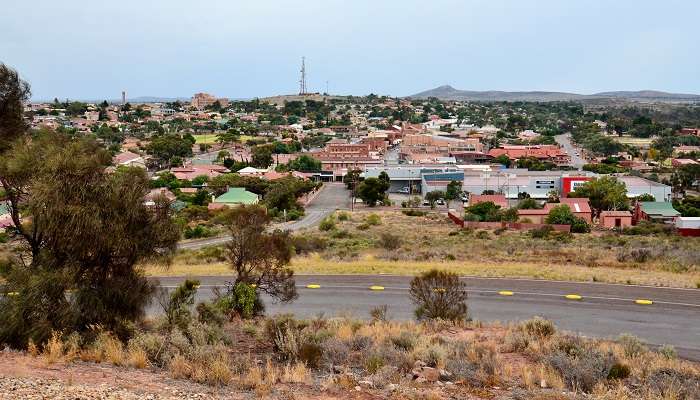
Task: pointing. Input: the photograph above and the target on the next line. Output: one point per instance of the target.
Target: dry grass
(179, 367)
(673, 261)
(297, 373)
(137, 358)
(53, 349)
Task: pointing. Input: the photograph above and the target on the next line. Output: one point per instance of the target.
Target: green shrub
(373, 220)
(542, 232)
(304, 244)
(208, 313)
(379, 313)
(341, 234)
(579, 363)
(538, 327)
(327, 224)
(374, 363)
(631, 345)
(343, 216)
(240, 298)
(668, 351)
(439, 295)
(414, 213)
(199, 231)
(390, 241)
(310, 354)
(405, 341)
(618, 371)
(363, 227)
(482, 235)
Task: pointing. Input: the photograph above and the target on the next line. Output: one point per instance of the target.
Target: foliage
(14, 92)
(603, 168)
(84, 230)
(434, 196)
(259, 257)
(262, 156)
(303, 163)
(390, 241)
(439, 295)
(352, 179)
(606, 193)
(240, 298)
(177, 306)
(169, 149)
(372, 190)
(454, 189)
(562, 215)
(327, 224)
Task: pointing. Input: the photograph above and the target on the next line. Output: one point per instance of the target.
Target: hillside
(447, 92)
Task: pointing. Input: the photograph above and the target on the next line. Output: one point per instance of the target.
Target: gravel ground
(30, 388)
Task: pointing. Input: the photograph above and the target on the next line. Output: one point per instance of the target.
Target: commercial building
(201, 101)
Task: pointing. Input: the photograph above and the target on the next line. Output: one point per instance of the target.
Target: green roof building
(235, 197)
(658, 211)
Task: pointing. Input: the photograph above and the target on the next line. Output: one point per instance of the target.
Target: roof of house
(125, 157)
(661, 208)
(237, 196)
(576, 204)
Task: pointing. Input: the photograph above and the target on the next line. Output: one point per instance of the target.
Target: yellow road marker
(376, 288)
(644, 302)
(313, 286)
(573, 297)
(505, 293)
(13, 294)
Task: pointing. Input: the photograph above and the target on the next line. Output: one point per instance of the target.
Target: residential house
(233, 198)
(655, 211)
(615, 219)
(129, 159)
(193, 171)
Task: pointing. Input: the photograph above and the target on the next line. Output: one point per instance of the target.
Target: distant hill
(447, 92)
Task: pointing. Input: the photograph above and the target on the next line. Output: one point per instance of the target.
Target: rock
(419, 364)
(421, 379)
(543, 384)
(337, 369)
(358, 388)
(391, 387)
(445, 375)
(365, 384)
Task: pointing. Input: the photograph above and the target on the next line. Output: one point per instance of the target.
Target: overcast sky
(240, 48)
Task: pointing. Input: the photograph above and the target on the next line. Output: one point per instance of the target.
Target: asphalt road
(565, 141)
(604, 311)
(333, 196)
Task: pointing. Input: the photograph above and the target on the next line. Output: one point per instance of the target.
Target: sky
(242, 49)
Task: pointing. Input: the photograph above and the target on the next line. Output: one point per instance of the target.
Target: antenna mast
(302, 81)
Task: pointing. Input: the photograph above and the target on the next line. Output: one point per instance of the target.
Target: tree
(13, 93)
(259, 257)
(302, 163)
(352, 178)
(503, 159)
(606, 193)
(384, 176)
(439, 295)
(528, 204)
(646, 197)
(372, 190)
(262, 156)
(169, 149)
(562, 215)
(434, 196)
(83, 230)
(454, 188)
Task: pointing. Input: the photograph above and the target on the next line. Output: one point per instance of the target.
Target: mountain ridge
(447, 92)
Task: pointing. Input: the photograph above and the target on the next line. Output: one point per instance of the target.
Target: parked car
(440, 202)
(426, 203)
(404, 190)
(464, 197)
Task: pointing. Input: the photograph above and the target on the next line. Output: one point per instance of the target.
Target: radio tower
(302, 81)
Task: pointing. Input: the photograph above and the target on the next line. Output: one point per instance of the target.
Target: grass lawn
(205, 138)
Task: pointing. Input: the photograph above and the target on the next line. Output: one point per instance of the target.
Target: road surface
(565, 141)
(604, 311)
(333, 196)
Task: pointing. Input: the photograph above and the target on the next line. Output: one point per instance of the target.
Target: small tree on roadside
(434, 196)
(372, 190)
(439, 295)
(454, 188)
(259, 257)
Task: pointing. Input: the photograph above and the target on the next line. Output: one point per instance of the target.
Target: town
(312, 199)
